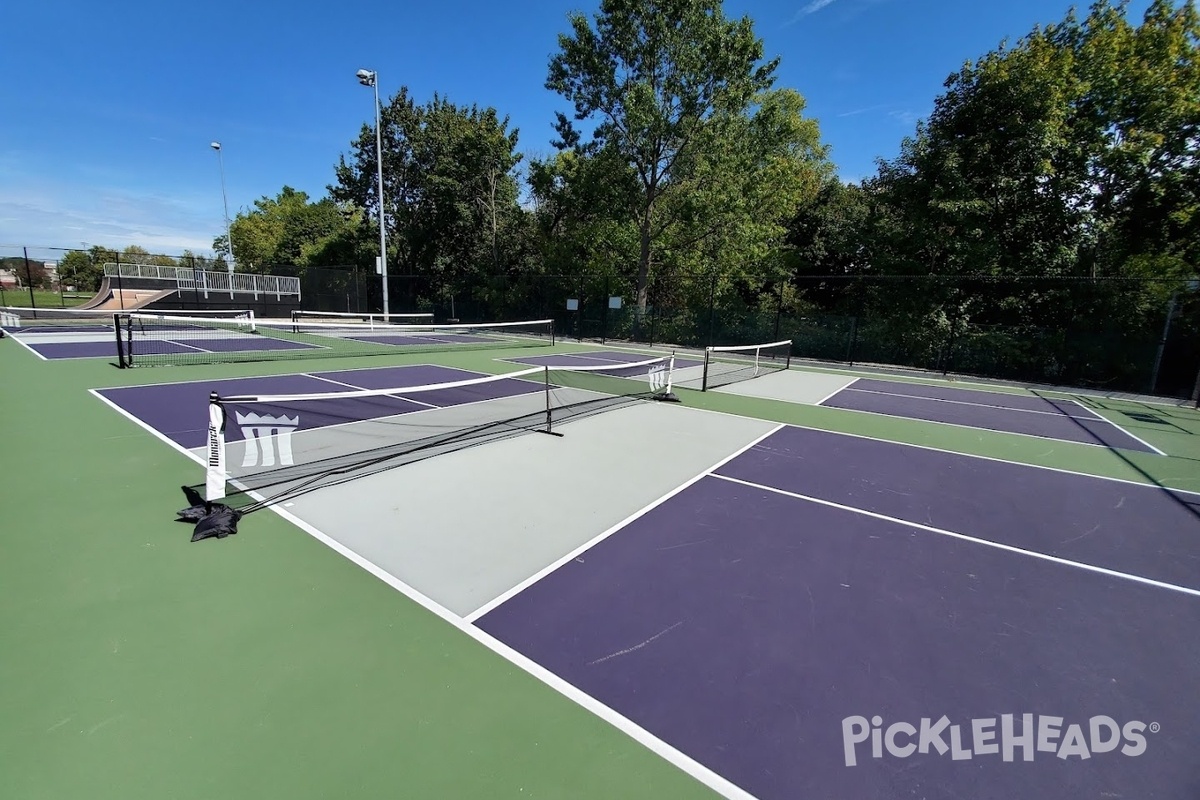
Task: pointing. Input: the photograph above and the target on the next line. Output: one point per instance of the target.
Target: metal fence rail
(208, 281)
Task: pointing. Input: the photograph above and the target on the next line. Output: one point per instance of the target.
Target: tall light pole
(228, 238)
(368, 78)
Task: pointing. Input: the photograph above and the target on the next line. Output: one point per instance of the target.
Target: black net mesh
(165, 340)
(283, 446)
(726, 365)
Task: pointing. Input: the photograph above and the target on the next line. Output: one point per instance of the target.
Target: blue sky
(108, 108)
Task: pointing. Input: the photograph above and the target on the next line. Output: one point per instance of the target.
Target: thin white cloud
(815, 6)
(867, 110)
(905, 117)
(55, 216)
(811, 8)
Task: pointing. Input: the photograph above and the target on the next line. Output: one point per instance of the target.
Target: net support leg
(668, 395)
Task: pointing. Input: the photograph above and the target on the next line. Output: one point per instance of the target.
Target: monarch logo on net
(992, 736)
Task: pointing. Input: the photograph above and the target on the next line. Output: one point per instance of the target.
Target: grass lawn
(42, 299)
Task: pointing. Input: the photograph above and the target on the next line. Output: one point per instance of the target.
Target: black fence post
(1162, 342)
(604, 312)
(853, 341)
(949, 357)
(120, 286)
(29, 279)
(712, 309)
(195, 282)
(778, 312)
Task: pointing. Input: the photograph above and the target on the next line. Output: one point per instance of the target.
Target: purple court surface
(105, 346)
(56, 350)
(792, 623)
(179, 411)
(598, 357)
(400, 340)
(33, 327)
(1047, 418)
(835, 616)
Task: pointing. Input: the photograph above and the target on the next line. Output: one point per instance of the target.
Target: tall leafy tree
(288, 229)
(450, 189)
(78, 270)
(1070, 155)
(651, 76)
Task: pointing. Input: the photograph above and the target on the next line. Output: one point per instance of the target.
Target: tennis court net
(366, 318)
(263, 449)
(157, 340)
(33, 320)
(726, 365)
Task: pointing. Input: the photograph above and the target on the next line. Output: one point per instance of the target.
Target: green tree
(580, 200)
(450, 190)
(79, 270)
(1069, 155)
(727, 211)
(285, 229)
(651, 77)
(134, 254)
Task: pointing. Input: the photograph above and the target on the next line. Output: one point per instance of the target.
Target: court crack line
(629, 650)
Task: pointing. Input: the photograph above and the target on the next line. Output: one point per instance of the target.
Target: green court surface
(137, 664)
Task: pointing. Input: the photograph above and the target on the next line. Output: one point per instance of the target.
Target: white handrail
(209, 280)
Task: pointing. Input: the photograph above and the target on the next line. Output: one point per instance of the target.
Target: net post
(250, 321)
(121, 362)
(215, 473)
(704, 378)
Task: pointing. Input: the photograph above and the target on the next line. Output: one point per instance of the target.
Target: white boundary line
(1093, 418)
(178, 343)
(966, 538)
(1120, 428)
(354, 386)
(404, 415)
(973, 428)
(1095, 415)
(639, 734)
(290, 374)
(17, 339)
(586, 356)
(826, 397)
(921, 380)
(1127, 481)
(992, 388)
(537, 576)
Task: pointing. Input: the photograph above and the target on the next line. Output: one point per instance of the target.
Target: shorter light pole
(228, 238)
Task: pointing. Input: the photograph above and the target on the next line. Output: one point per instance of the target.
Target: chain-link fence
(1136, 335)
